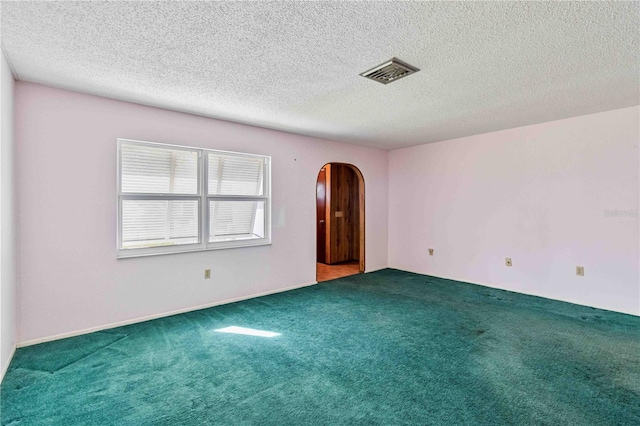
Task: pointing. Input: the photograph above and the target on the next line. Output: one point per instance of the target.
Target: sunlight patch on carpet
(247, 331)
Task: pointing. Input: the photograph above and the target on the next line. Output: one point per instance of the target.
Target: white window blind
(153, 170)
(230, 175)
(236, 220)
(164, 194)
(147, 223)
(242, 216)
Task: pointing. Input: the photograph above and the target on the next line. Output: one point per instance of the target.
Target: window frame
(203, 199)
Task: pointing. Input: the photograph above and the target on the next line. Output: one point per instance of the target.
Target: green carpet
(386, 348)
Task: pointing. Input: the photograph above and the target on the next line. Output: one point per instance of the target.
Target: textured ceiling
(296, 66)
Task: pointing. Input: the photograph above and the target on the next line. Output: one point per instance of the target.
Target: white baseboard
(6, 366)
(376, 269)
(496, 286)
(155, 316)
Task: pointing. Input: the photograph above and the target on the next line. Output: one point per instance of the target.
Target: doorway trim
(361, 211)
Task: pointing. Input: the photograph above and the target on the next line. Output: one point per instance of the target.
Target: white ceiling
(295, 66)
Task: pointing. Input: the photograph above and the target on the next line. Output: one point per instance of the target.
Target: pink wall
(8, 245)
(537, 194)
(70, 278)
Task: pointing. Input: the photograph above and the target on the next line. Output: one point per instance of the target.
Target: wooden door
(321, 208)
(344, 214)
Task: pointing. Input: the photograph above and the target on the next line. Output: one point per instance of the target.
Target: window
(165, 192)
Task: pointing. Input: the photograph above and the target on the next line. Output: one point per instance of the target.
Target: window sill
(190, 248)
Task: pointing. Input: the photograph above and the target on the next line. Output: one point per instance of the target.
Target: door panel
(345, 214)
(321, 192)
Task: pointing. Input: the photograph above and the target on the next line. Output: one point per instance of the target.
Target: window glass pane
(157, 223)
(152, 170)
(236, 220)
(235, 175)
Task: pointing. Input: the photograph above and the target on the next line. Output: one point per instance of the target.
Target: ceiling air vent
(392, 70)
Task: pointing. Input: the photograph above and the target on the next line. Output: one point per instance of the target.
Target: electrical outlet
(207, 274)
(580, 271)
(430, 252)
(508, 261)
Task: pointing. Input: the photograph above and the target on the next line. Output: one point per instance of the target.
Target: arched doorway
(340, 224)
